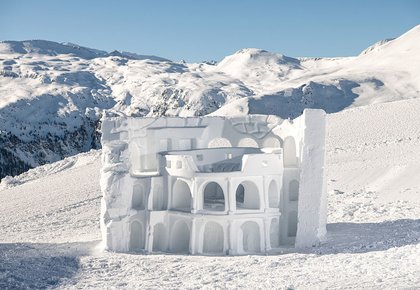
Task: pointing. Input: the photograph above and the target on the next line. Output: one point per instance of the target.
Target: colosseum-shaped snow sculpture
(213, 185)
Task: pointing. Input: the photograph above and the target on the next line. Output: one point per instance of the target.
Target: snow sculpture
(213, 185)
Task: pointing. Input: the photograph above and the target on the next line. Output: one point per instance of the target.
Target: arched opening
(247, 196)
(294, 190)
(289, 152)
(136, 236)
(219, 143)
(213, 197)
(181, 196)
(273, 195)
(213, 238)
(274, 233)
(247, 142)
(271, 142)
(138, 200)
(292, 224)
(250, 237)
(159, 237)
(180, 238)
(158, 198)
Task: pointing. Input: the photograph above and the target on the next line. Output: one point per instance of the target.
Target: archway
(251, 237)
(294, 190)
(181, 196)
(136, 236)
(219, 143)
(137, 201)
(248, 142)
(274, 233)
(213, 238)
(292, 224)
(213, 197)
(289, 152)
(180, 238)
(247, 196)
(159, 237)
(273, 195)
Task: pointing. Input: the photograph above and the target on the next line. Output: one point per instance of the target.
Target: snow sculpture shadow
(39, 266)
(369, 237)
(348, 238)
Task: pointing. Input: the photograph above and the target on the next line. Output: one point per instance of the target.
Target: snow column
(312, 208)
(115, 183)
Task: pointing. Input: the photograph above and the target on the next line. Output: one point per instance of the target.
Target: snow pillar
(312, 191)
(193, 240)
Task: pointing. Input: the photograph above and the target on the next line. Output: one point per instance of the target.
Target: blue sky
(209, 30)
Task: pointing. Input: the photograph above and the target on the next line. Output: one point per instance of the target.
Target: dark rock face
(17, 156)
(10, 164)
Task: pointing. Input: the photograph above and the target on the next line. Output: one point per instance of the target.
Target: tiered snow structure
(213, 185)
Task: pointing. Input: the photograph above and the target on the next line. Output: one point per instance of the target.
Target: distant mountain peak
(251, 50)
(376, 46)
(258, 67)
(51, 48)
(257, 54)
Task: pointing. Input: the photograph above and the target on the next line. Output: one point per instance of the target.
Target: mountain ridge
(53, 48)
(53, 95)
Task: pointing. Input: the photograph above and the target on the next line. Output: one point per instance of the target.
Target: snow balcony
(221, 181)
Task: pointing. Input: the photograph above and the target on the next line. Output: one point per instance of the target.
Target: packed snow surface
(50, 236)
(52, 95)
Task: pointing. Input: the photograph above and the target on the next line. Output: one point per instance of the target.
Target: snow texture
(50, 223)
(53, 95)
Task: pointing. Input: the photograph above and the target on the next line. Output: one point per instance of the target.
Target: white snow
(386, 72)
(50, 223)
(75, 161)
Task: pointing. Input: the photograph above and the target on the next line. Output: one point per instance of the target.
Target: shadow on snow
(290, 103)
(39, 266)
(369, 237)
(353, 238)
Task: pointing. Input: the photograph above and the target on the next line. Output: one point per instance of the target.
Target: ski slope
(50, 235)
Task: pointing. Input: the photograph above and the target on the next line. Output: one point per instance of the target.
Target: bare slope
(50, 222)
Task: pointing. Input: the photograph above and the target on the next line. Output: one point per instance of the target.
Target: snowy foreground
(50, 233)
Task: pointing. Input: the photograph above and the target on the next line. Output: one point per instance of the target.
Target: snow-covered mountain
(386, 71)
(52, 95)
